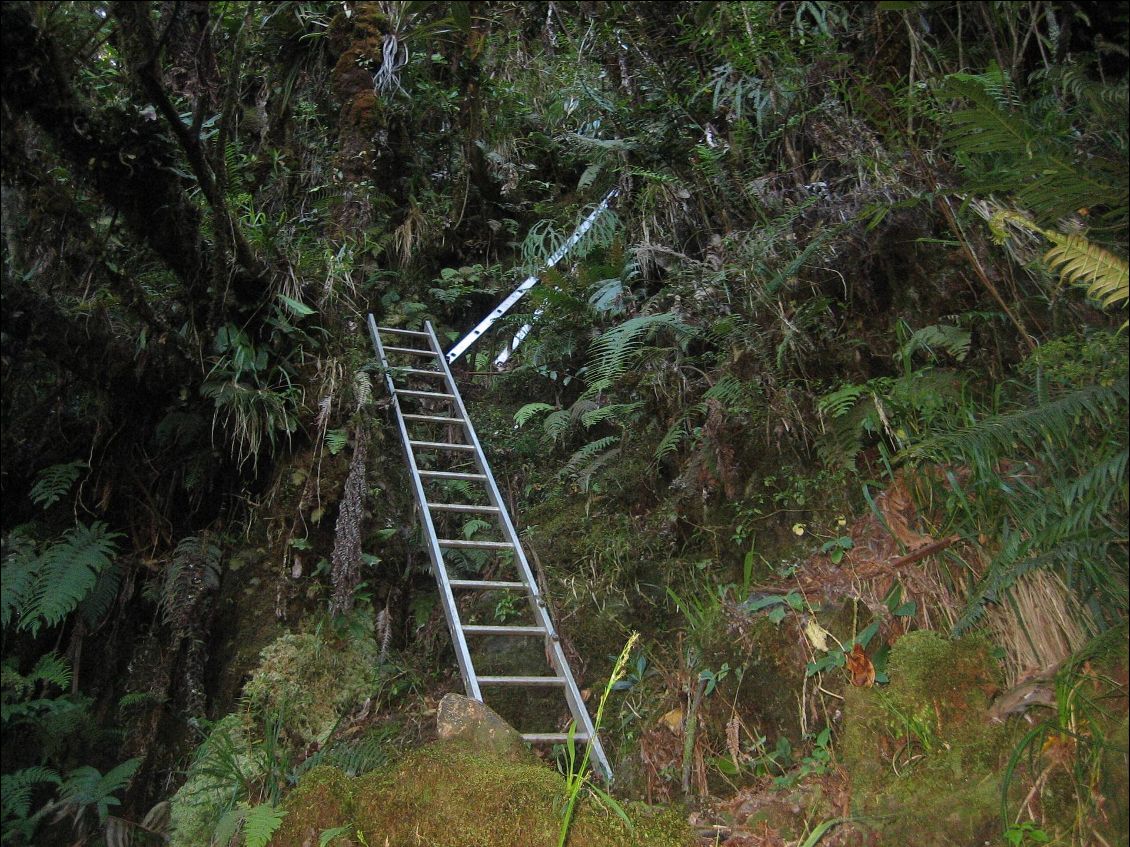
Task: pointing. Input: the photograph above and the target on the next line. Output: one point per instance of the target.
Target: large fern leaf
(612, 353)
(65, 573)
(260, 823)
(52, 483)
(1055, 422)
(16, 789)
(1013, 155)
(1079, 262)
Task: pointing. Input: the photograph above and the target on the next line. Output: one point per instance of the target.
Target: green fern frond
(52, 483)
(335, 440)
(985, 127)
(51, 669)
(614, 411)
(96, 605)
(65, 573)
(677, 432)
(1055, 422)
(955, 340)
(1039, 169)
(1079, 262)
(20, 568)
(728, 390)
(580, 463)
(613, 352)
(88, 787)
(839, 402)
(523, 415)
(260, 823)
(16, 789)
(589, 176)
(475, 525)
(557, 423)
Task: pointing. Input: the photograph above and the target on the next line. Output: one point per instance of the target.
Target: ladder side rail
(462, 653)
(572, 694)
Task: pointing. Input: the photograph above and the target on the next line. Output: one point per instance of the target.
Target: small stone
(462, 719)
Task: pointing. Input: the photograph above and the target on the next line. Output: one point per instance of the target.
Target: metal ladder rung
(474, 545)
(441, 445)
(485, 584)
(413, 350)
(461, 507)
(553, 737)
(435, 395)
(470, 466)
(433, 419)
(504, 630)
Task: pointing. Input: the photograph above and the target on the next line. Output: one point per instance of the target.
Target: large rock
(478, 727)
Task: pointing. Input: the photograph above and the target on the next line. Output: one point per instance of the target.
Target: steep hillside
(821, 427)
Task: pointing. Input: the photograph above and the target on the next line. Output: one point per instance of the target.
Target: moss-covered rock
(322, 800)
(449, 795)
(921, 749)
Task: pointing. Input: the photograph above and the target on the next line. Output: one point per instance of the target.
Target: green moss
(921, 749)
(322, 800)
(1115, 785)
(221, 760)
(311, 679)
(447, 795)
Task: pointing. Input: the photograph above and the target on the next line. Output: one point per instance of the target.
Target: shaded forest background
(847, 359)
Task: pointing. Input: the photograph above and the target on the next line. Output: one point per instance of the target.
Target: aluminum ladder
(419, 377)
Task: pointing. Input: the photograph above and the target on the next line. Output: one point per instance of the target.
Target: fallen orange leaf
(860, 667)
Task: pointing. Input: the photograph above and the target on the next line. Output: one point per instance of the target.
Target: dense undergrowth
(831, 406)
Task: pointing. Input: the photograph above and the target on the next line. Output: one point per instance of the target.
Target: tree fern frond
(955, 340)
(16, 789)
(611, 354)
(678, 431)
(557, 423)
(729, 391)
(335, 440)
(1054, 422)
(52, 483)
(88, 787)
(616, 411)
(523, 415)
(586, 454)
(839, 402)
(19, 569)
(52, 669)
(986, 127)
(96, 605)
(589, 176)
(1079, 262)
(1039, 168)
(66, 571)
